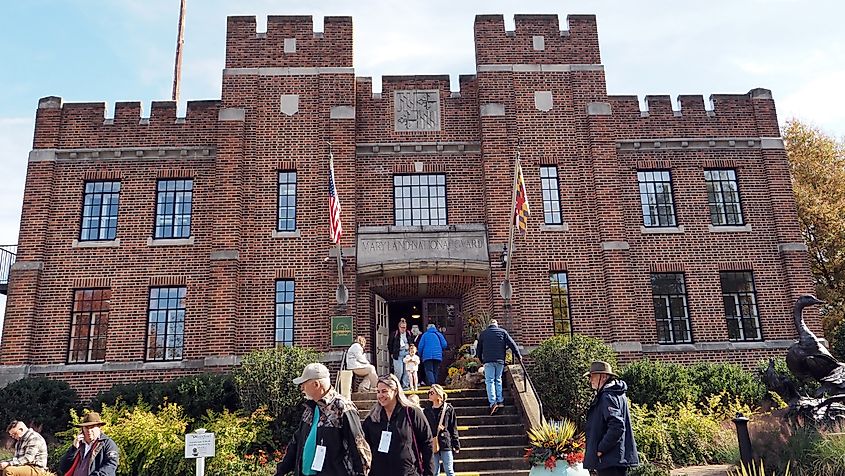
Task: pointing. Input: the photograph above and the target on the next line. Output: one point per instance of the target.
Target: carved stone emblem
(416, 110)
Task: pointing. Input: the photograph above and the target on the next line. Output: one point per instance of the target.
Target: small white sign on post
(199, 445)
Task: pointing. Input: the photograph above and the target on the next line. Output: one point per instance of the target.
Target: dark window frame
(671, 320)
(157, 226)
(445, 209)
(723, 213)
(92, 338)
(557, 216)
(737, 307)
(99, 217)
(279, 184)
(280, 304)
(151, 351)
(556, 298)
(647, 216)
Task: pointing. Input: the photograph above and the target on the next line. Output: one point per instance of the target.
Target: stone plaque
(416, 110)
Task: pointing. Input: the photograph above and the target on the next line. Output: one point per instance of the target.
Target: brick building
(152, 247)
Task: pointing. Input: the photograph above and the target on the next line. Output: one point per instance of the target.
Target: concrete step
(490, 430)
(497, 419)
(366, 401)
(482, 410)
(497, 452)
(475, 441)
(491, 464)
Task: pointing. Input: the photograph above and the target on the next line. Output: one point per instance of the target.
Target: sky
(118, 50)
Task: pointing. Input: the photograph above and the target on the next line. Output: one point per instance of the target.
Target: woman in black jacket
(398, 433)
(447, 431)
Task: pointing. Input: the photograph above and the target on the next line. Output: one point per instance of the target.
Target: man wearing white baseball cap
(329, 440)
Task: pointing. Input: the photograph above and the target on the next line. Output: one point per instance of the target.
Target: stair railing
(529, 383)
(8, 253)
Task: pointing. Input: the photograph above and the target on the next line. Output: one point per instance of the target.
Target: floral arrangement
(553, 441)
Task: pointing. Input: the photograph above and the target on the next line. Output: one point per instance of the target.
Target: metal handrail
(8, 253)
(529, 382)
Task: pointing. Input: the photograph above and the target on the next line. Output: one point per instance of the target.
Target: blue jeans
(432, 368)
(448, 464)
(399, 368)
(493, 379)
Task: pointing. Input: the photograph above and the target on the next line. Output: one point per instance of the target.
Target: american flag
(335, 227)
(521, 211)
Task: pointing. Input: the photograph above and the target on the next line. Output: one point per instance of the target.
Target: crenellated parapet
(85, 125)
(536, 39)
(731, 115)
(289, 42)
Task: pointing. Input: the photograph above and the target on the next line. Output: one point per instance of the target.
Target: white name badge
(384, 444)
(319, 458)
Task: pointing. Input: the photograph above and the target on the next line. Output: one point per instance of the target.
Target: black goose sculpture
(809, 359)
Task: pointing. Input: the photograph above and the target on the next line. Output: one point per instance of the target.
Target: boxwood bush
(39, 402)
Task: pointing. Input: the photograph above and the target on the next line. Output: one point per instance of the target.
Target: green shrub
(648, 469)
(557, 370)
(265, 379)
(39, 402)
(730, 380)
(652, 381)
(236, 438)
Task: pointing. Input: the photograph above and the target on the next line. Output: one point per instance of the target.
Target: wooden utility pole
(180, 41)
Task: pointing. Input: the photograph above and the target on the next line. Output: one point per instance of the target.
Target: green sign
(341, 331)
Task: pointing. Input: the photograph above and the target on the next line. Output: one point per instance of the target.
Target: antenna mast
(180, 41)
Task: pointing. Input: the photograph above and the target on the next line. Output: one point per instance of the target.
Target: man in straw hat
(92, 453)
(329, 440)
(610, 448)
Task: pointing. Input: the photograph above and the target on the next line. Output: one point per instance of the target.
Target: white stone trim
(599, 109)
(170, 241)
(792, 247)
(231, 114)
(729, 229)
(492, 109)
(540, 68)
(285, 71)
(555, 228)
(225, 255)
(286, 234)
(115, 243)
(657, 230)
(615, 245)
(27, 266)
(772, 143)
(342, 112)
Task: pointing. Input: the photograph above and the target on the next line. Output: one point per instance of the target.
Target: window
(669, 294)
(88, 326)
(739, 297)
(561, 317)
(287, 201)
(419, 199)
(551, 195)
(656, 198)
(166, 327)
(723, 197)
(99, 211)
(284, 312)
(173, 208)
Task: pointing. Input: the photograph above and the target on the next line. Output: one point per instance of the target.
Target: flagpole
(339, 247)
(513, 218)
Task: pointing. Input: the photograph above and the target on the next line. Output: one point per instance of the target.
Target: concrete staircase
(490, 445)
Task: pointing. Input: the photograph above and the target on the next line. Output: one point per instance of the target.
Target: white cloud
(817, 101)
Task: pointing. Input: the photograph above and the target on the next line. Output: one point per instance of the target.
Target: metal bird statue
(809, 358)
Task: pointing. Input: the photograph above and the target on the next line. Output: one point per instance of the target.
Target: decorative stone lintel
(213, 361)
(782, 247)
(599, 109)
(492, 109)
(68, 155)
(286, 71)
(657, 230)
(615, 245)
(342, 112)
(27, 266)
(729, 229)
(627, 346)
(418, 148)
(231, 114)
(170, 241)
(225, 255)
(561, 227)
(767, 143)
(42, 155)
(539, 68)
(717, 346)
(693, 143)
(286, 234)
(96, 244)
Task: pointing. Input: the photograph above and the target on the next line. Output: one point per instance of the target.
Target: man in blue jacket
(492, 344)
(431, 347)
(610, 448)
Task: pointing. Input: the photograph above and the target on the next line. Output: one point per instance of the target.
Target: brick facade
(538, 89)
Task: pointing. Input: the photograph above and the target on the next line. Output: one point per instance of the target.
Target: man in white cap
(329, 440)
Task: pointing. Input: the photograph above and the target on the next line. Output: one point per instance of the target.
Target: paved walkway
(710, 470)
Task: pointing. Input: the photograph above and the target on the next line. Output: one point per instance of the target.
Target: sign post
(199, 445)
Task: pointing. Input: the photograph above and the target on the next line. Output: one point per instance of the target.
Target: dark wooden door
(445, 313)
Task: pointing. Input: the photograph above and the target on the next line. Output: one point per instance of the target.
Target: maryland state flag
(521, 210)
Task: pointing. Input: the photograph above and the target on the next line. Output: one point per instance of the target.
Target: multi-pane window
(739, 297)
(723, 197)
(99, 211)
(551, 195)
(166, 324)
(88, 326)
(669, 294)
(561, 316)
(173, 208)
(284, 312)
(419, 199)
(287, 201)
(656, 197)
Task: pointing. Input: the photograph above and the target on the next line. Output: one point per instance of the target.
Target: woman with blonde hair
(444, 425)
(398, 433)
(357, 362)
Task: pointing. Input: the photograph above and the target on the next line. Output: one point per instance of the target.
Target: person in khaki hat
(610, 448)
(329, 440)
(92, 452)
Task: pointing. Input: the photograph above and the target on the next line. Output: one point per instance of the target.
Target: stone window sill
(287, 234)
(96, 244)
(729, 229)
(561, 227)
(668, 230)
(170, 241)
